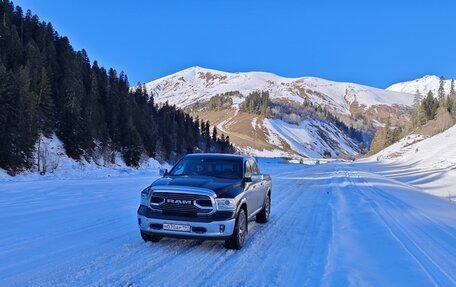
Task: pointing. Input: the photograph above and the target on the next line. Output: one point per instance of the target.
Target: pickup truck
(206, 196)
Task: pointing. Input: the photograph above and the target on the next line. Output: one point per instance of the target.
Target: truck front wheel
(240, 231)
(153, 238)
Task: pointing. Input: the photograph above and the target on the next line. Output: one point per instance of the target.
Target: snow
(60, 166)
(254, 123)
(423, 85)
(274, 153)
(198, 84)
(334, 224)
(429, 163)
(306, 139)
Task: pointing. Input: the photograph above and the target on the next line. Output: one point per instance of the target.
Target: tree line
(47, 87)
(425, 109)
(257, 102)
(218, 102)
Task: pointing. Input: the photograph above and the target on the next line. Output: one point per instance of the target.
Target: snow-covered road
(331, 224)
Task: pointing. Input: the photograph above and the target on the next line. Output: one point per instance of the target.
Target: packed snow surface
(332, 224)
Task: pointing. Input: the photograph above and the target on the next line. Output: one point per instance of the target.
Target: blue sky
(370, 42)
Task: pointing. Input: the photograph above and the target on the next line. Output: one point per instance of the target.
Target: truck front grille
(174, 203)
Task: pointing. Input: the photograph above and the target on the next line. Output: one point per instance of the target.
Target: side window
(248, 169)
(179, 169)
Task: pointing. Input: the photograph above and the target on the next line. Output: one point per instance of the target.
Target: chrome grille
(172, 202)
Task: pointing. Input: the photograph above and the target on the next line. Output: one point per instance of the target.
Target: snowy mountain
(311, 137)
(423, 85)
(197, 84)
(429, 163)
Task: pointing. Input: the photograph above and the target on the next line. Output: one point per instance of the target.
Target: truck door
(250, 191)
(259, 186)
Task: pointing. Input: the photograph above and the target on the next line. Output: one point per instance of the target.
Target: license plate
(176, 227)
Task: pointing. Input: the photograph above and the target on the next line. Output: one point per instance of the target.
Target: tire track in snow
(135, 266)
(435, 272)
(314, 210)
(261, 239)
(256, 234)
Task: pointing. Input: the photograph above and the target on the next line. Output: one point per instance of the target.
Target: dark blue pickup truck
(206, 196)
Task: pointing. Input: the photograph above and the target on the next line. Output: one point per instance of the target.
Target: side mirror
(163, 171)
(256, 177)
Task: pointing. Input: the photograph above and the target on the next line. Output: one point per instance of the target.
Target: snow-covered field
(332, 224)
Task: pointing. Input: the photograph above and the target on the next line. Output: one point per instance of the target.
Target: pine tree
(388, 132)
(45, 104)
(430, 106)
(46, 87)
(452, 89)
(10, 152)
(28, 126)
(452, 97)
(417, 99)
(207, 134)
(441, 92)
(214, 133)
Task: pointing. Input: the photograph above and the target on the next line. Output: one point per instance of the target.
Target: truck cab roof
(218, 155)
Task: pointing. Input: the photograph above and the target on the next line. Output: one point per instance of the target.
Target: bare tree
(46, 162)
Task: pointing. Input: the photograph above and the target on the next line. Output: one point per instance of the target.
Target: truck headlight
(225, 204)
(145, 196)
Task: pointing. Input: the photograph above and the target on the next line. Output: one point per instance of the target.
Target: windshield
(215, 167)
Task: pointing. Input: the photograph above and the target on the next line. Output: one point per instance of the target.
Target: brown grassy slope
(240, 130)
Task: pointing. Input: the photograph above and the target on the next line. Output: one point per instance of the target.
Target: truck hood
(221, 186)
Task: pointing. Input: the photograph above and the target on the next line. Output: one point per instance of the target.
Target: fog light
(222, 228)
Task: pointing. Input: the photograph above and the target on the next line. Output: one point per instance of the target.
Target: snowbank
(429, 163)
(50, 157)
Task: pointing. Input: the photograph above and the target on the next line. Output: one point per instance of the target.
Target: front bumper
(199, 230)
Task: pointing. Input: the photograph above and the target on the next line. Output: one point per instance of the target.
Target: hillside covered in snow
(429, 163)
(422, 85)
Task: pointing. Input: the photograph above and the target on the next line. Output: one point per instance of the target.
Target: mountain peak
(423, 85)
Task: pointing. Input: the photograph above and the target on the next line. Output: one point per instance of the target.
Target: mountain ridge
(358, 106)
(336, 95)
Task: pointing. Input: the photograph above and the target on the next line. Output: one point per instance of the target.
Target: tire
(263, 215)
(237, 240)
(152, 238)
